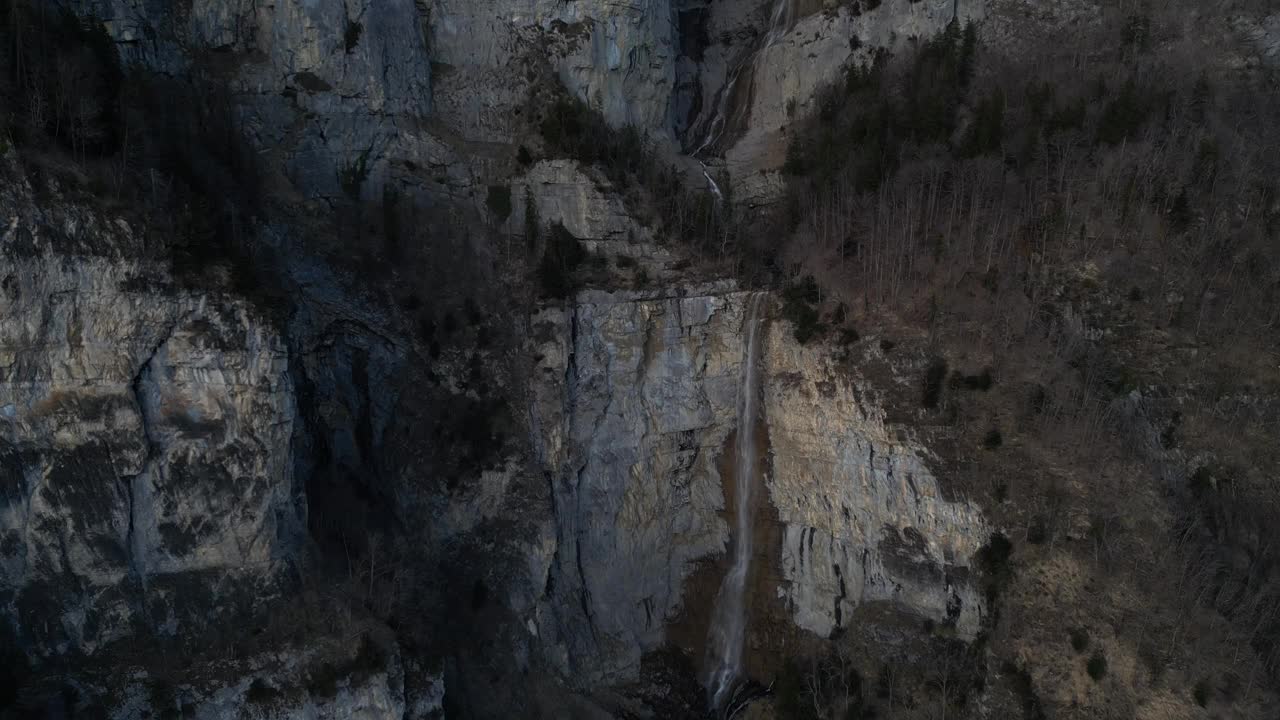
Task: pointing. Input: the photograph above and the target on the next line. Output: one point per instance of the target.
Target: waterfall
(727, 633)
(780, 21)
(711, 183)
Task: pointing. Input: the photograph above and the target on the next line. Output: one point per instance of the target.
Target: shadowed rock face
(634, 409)
(358, 72)
(619, 57)
(146, 430)
(325, 88)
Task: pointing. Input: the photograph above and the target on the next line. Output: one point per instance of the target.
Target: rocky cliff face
(319, 88)
(333, 92)
(619, 57)
(162, 438)
(147, 433)
(864, 519)
(636, 399)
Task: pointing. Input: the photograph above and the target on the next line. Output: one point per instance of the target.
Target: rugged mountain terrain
(386, 360)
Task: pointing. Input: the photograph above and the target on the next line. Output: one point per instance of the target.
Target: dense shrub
(62, 78)
(1202, 693)
(1032, 708)
(262, 694)
(561, 258)
(789, 693)
(352, 174)
(799, 306)
(993, 439)
(934, 376)
(1097, 666)
(1124, 115)
(323, 680)
(1079, 639)
(574, 130)
(1038, 531)
(987, 130)
(982, 381)
(351, 35)
(479, 595)
(863, 123)
(499, 202)
(993, 558)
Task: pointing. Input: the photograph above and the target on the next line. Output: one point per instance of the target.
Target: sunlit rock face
(863, 514)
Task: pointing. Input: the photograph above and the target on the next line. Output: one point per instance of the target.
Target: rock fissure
(131, 490)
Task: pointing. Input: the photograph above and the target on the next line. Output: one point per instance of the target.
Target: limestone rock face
(339, 97)
(635, 398)
(618, 57)
(863, 516)
(145, 432)
(320, 87)
(633, 411)
(562, 192)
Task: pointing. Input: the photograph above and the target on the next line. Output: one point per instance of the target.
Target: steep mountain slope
(386, 360)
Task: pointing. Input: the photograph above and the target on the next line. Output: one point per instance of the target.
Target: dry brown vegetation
(1097, 229)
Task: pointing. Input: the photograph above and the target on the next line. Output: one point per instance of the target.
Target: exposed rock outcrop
(863, 514)
(636, 398)
(317, 683)
(635, 401)
(324, 90)
(147, 432)
(563, 192)
(618, 57)
(157, 435)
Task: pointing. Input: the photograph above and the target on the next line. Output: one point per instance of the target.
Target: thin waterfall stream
(780, 21)
(727, 633)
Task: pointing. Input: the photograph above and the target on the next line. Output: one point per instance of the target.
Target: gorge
(395, 359)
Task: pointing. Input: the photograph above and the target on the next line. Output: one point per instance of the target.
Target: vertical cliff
(636, 397)
(635, 401)
(378, 454)
(864, 517)
(147, 434)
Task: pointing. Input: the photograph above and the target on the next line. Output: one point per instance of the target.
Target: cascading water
(780, 21)
(727, 634)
